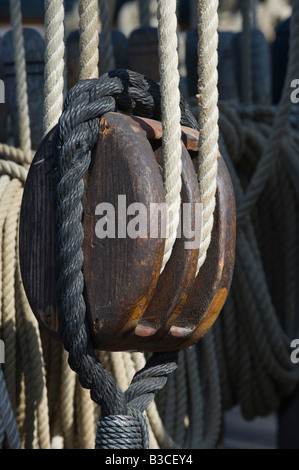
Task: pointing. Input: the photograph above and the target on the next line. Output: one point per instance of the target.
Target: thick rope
(89, 39)
(33, 365)
(108, 58)
(67, 405)
(207, 117)
(54, 63)
(170, 100)
(272, 148)
(21, 81)
(266, 348)
(14, 154)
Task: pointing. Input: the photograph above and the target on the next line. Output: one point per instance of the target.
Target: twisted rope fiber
(170, 100)
(54, 63)
(21, 83)
(89, 38)
(207, 117)
(74, 139)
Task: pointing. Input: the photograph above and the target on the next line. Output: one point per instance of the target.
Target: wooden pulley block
(198, 301)
(130, 305)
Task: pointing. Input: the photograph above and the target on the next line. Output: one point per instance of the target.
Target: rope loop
(122, 431)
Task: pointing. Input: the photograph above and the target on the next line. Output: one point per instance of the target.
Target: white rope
(54, 63)
(208, 117)
(21, 81)
(89, 39)
(170, 104)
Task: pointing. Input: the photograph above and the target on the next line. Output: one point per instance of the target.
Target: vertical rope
(271, 151)
(21, 81)
(144, 12)
(170, 104)
(54, 63)
(9, 220)
(89, 38)
(106, 36)
(67, 386)
(208, 117)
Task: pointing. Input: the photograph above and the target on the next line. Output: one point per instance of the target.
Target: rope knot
(123, 431)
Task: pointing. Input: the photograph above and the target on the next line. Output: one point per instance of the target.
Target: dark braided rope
(74, 138)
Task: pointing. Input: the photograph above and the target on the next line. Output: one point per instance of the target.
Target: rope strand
(170, 104)
(207, 118)
(54, 63)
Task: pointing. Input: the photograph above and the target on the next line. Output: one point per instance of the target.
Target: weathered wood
(120, 273)
(210, 289)
(34, 55)
(121, 54)
(212, 284)
(129, 306)
(177, 278)
(143, 52)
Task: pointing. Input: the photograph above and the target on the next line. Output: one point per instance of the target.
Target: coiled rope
(259, 179)
(260, 317)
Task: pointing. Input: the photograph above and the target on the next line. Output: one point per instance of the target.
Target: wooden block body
(130, 305)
